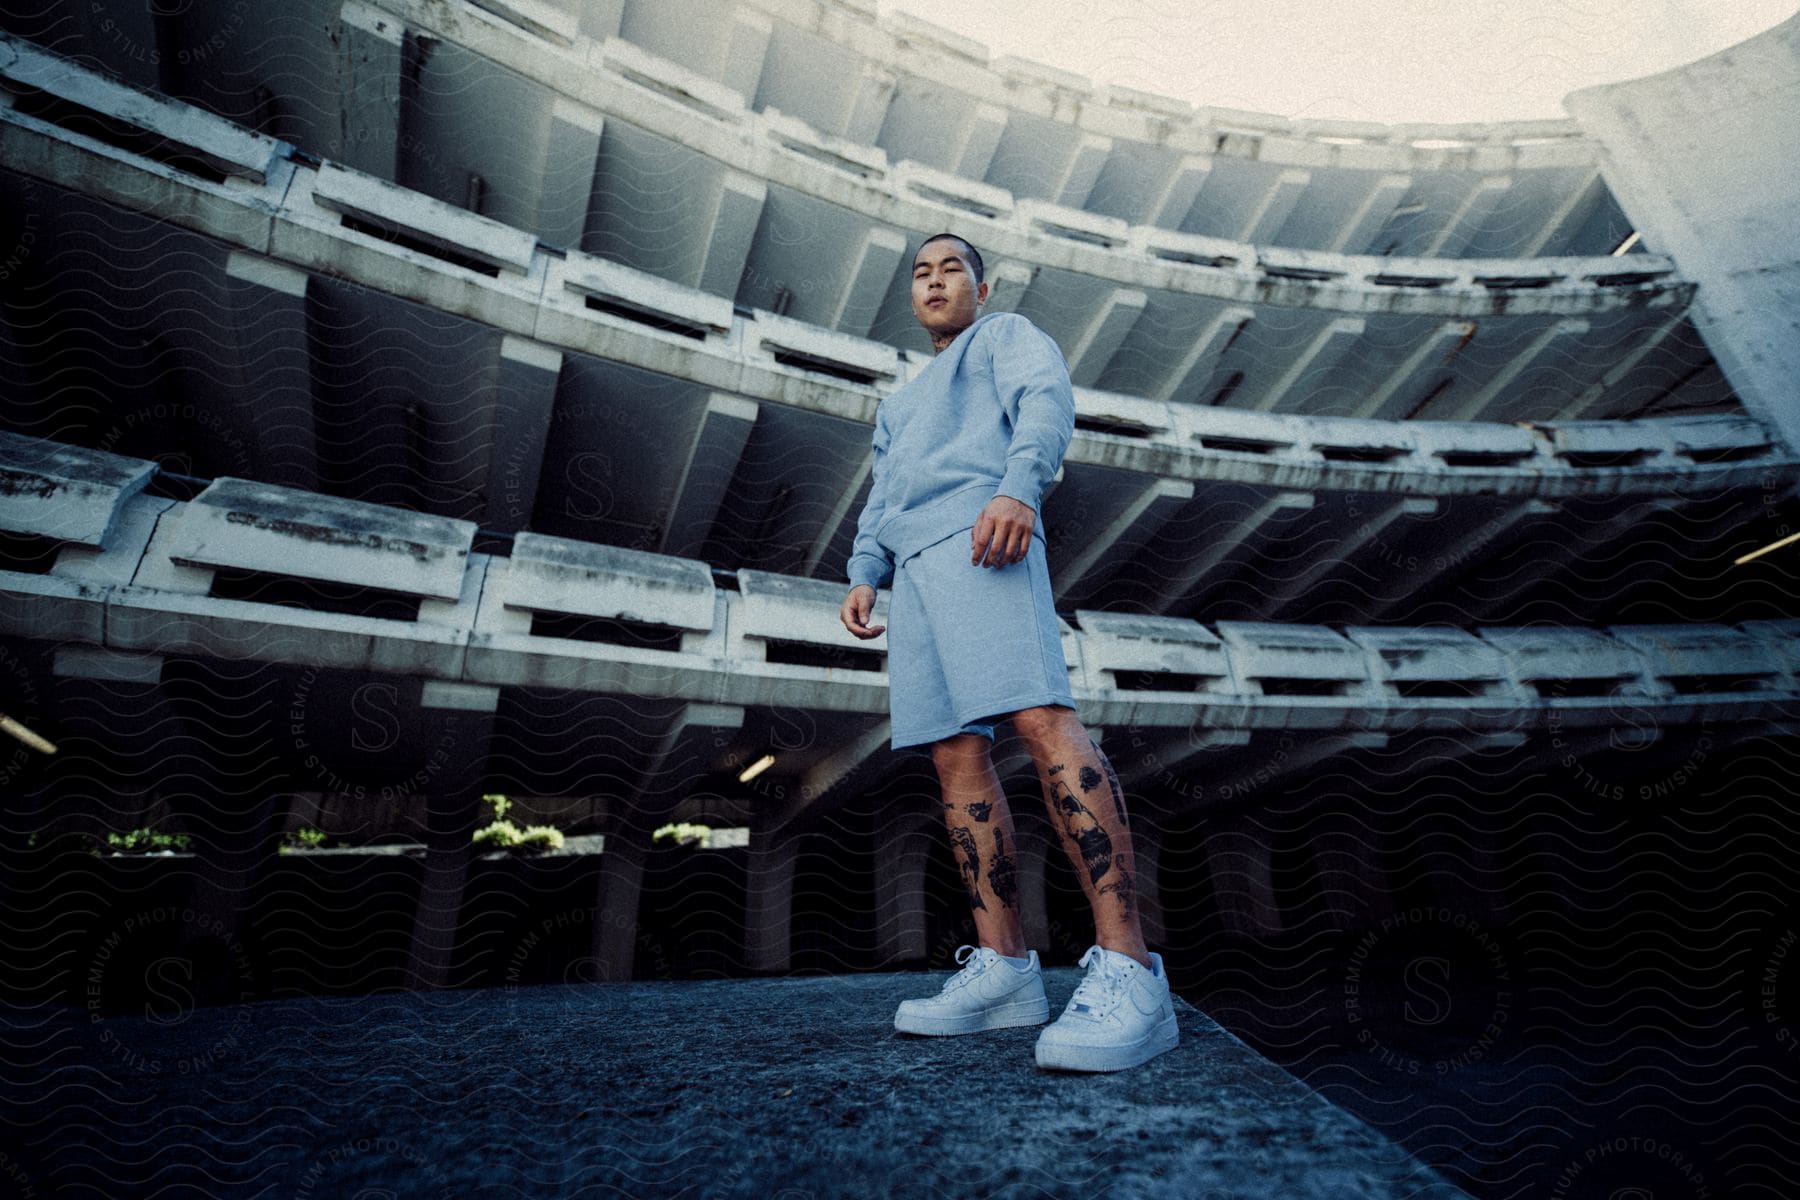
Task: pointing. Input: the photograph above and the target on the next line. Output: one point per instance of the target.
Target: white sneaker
(988, 993)
(1120, 1015)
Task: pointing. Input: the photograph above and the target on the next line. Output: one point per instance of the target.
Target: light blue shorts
(970, 645)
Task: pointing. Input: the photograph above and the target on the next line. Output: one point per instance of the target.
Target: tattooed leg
(1001, 875)
(980, 826)
(969, 859)
(1084, 829)
(1087, 807)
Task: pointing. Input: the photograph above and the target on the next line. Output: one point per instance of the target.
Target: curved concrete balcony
(255, 572)
(894, 90)
(614, 404)
(754, 208)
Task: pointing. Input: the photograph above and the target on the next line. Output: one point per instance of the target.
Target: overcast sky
(1364, 60)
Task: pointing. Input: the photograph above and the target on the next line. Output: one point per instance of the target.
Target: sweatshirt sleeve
(870, 562)
(1033, 384)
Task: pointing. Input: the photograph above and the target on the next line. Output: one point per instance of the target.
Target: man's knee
(959, 751)
(1045, 721)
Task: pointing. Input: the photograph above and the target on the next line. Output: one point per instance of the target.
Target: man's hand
(1002, 532)
(858, 607)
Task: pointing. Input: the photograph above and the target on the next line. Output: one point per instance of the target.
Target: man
(963, 454)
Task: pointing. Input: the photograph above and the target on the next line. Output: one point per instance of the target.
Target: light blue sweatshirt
(990, 416)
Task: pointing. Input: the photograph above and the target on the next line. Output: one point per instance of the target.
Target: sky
(1389, 61)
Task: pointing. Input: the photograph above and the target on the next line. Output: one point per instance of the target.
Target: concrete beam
(1284, 595)
(869, 280)
(1566, 217)
(1146, 513)
(1180, 187)
(743, 51)
(269, 323)
(1320, 353)
(1094, 348)
(1466, 223)
(1559, 342)
(736, 211)
(1359, 230)
(712, 463)
(1390, 398)
(1649, 337)
(66, 493)
(1426, 578)
(571, 152)
(1191, 371)
(1087, 157)
(1183, 577)
(1270, 212)
(973, 152)
(524, 394)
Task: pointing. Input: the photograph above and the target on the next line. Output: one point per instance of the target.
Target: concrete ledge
(152, 590)
(251, 526)
(66, 493)
(1570, 458)
(651, 1092)
(560, 575)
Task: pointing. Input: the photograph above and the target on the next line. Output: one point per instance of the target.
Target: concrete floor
(796, 1088)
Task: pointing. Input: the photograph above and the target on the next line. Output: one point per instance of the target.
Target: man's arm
(1033, 384)
(870, 562)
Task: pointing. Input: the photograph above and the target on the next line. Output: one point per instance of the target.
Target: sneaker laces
(976, 964)
(1101, 989)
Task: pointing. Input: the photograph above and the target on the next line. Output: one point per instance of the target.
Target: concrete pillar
(900, 871)
(616, 918)
(681, 754)
(459, 717)
(1146, 857)
(769, 899)
(1036, 840)
(1239, 856)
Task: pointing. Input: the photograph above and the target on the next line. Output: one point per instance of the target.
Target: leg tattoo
(980, 810)
(1118, 791)
(1083, 829)
(1000, 873)
(970, 862)
(1124, 889)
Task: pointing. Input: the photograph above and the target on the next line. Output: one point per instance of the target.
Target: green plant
(304, 838)
(147, 841)
(502, 834)
(683, 833)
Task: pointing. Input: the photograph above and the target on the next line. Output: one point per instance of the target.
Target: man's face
(944, 292)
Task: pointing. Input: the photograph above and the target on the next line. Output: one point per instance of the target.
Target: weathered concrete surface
(790, 1087)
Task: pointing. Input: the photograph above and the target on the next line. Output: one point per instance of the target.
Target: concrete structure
(524, 355)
